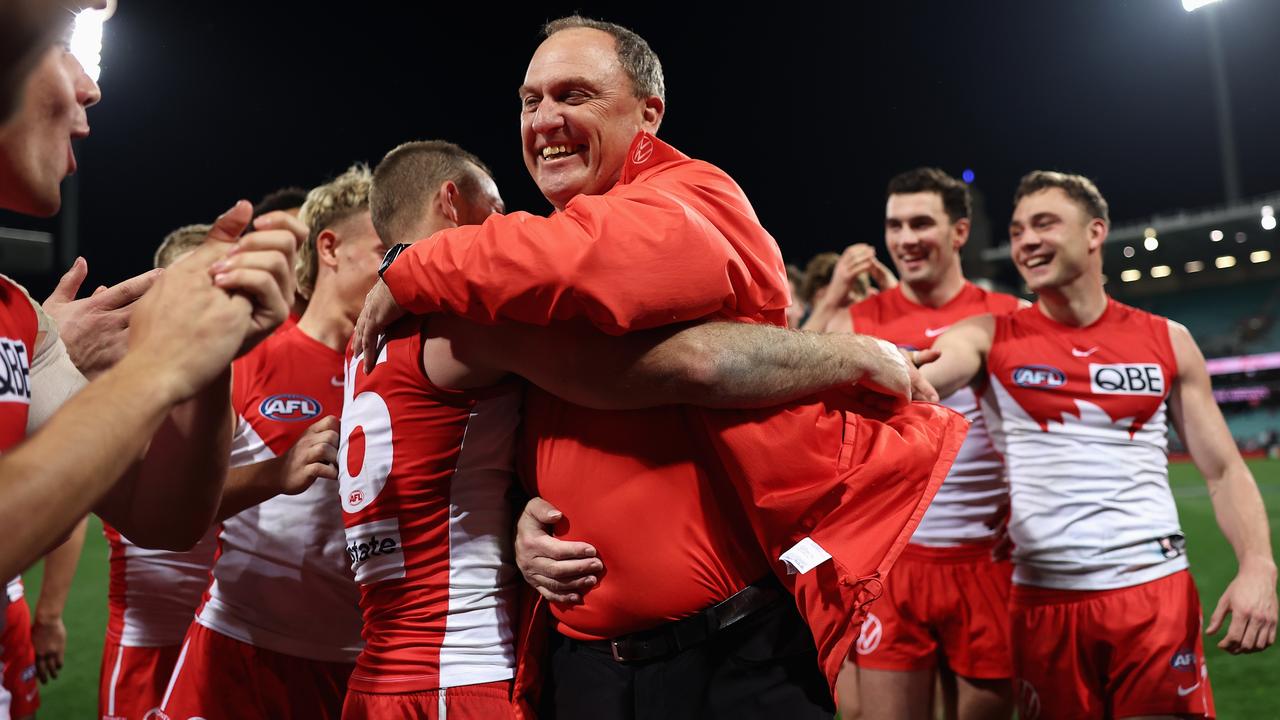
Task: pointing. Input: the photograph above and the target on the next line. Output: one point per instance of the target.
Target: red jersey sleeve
(674, 240)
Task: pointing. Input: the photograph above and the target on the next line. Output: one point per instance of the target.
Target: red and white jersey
(280, 580)
(152, 595)
(1081, 421)
(19, 326)
(425, 472)
(975, 489)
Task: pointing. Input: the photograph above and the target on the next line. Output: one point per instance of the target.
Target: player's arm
(169, 499)
(1250, 599)
(962, 354)
(314, 455)
(715, 364)
(854, 261)
(48, 632)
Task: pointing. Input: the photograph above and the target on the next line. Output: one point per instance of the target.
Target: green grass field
(1244, 687)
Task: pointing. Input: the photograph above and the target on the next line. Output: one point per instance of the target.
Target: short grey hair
(638, 60)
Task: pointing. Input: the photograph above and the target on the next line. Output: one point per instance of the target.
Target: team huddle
(391, 452)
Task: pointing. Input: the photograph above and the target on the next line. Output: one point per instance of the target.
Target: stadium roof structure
(1221, 245)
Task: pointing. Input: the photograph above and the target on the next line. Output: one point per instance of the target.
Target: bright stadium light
(1216, 236)
(1222, 262)
(1151, 244)
(1268, 211)
(1130, 275)
(1149, 232)
(1194, 266)
(1194, 5)
(1269, 222)
(1160, 271)
(86, 40)
(1259, 256)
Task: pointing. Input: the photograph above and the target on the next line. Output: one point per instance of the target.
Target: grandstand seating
(1238, 320)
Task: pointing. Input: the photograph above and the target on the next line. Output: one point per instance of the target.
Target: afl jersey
(975, 489)
(1080, 416)
(425, 474)
(19, 326)
(281, 580)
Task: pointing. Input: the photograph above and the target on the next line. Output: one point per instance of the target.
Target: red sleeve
(679, 244)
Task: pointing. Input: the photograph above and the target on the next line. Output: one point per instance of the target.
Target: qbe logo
(872, 632)
(289, 408)
(15, 371)
(1038, 376)
(1126, 379)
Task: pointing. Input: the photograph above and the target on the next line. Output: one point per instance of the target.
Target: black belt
(682, 634)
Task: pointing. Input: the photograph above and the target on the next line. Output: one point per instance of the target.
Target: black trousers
(764, 666)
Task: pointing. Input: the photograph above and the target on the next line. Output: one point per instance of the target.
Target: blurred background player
(152, 595)
(945, 604)
(1105, 618)
(279, 630)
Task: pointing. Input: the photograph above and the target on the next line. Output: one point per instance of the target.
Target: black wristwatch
(391, 256)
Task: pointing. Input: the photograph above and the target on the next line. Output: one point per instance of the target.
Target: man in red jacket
(693, 509)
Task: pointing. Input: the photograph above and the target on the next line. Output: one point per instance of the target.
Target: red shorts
(485, 701)
(19, 658)
(132, 680)
(941, 601)
(1110, 653)
(220, 678)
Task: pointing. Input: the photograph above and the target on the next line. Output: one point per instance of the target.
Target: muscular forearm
(59, 570)
(750, 366)
(1241, 515)
(53, 478)
(170, 498)
(249, 485)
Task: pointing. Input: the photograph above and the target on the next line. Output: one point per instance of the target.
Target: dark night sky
(810, 110)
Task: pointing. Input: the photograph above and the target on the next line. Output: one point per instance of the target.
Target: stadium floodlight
(1222, 262)
(1130, 275)
(1269, 222)
(1194, 5)
(86, 40)
(1128, 251)
(1149, 232)
(1216, 236)
(1160, 271)
(1151, 243)
(1259, 256)
(1194, 266)
(1268, 211)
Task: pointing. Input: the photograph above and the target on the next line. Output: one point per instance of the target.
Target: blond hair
(327, 205)
(180, 242)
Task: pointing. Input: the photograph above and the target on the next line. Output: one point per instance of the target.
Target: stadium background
(811, 112)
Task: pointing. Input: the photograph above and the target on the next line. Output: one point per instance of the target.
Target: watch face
(390, 257)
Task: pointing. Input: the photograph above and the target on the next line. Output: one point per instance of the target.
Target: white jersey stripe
(479, 641)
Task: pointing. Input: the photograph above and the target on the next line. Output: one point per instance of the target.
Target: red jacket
(677, 240)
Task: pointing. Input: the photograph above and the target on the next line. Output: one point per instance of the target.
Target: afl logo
(1038, 376)
(289, 408)
(869, 638)
(1184, 660)
(644, 151)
